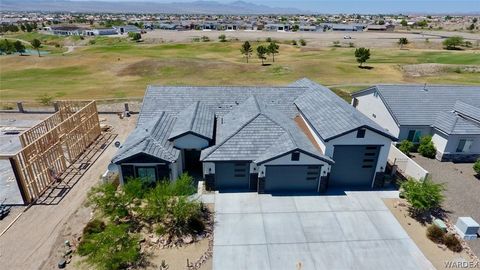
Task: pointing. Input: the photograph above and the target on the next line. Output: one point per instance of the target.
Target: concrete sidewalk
(352, 231)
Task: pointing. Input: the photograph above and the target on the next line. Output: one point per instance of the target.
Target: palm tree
(273, 49)
(36, 45)
(261, 52)
(246, 50)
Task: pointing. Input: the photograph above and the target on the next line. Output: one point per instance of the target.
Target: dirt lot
(436, 254)
(462, 190)
(319, 39)
(35, 241)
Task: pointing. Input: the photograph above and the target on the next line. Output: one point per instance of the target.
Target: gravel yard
(462, 190)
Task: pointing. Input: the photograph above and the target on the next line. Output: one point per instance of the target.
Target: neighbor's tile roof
(257, 132)
(197, 119)
(452, 123)
(330, 115)
(150, 138)
(220, 99)
(420, 105)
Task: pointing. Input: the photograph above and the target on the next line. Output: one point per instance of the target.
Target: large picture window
(147, 174)
(414, 135)
(464, 145)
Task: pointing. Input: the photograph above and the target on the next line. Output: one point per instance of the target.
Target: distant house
(125, 29)
(343, 27)
(448, 113)
(307, 28)
(297, 138)
(277, 27)
(101, 32)
(381, 28)
(65, 30)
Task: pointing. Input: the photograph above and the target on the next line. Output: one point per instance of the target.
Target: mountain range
(194, 7)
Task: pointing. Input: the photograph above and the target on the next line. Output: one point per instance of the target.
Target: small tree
(406, 147)
(303, 42)
(426, 147)
(452, 43)
(294, 42)
(423, 196)
(404, 23)
(136, 37)
(111, 249)
(362, 55)
(19, 47)
(476, 167)
(402, 41)
(246, 50)
(36, 45)
(222, 38)
(273, 49)
(269, 39)
(261, 53)
(6, 47)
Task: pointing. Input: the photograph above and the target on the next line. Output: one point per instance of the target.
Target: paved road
(353, 231)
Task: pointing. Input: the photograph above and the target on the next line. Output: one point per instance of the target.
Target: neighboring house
(268, 139)
(449, 113)
(125, 29)
(101, 32)
(278, 27)
(307, 28)
(381, 28)
(65, 30)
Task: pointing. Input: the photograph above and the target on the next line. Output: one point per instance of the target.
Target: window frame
(416, 135)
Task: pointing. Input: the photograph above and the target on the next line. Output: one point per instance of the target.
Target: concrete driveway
(352, 231)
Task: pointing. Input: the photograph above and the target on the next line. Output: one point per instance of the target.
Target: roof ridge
(194, 115)
(283, 127)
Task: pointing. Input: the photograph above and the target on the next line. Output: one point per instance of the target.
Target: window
(240, 170)
(414, 135)
(295, 156)
(147, 174)
(361, 133)
(464, 145)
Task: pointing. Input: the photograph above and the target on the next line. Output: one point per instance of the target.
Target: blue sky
(363, 6)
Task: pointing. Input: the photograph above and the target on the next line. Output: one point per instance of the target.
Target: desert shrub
(294, 42)
(426, 147)
(476, 167)
(205, 39)
(336, 44)
(303, 42)
(118, 203)
(406, 147)
(183, 186)
(222, 38)
(351, 45)
(113, 248)
(435, 233)
(423, 196)
(452, 243)
(94, 226)
(269, 39)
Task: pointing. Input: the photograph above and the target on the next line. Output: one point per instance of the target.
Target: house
(298, 138)
(65, 30)
(381, 28)
(101, 32)
(448, 113)
(307, 28)
(277, 27)
(125, 29)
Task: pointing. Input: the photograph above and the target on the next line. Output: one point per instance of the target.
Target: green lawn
(116, 67)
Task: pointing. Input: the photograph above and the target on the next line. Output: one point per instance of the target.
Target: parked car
(347, 37)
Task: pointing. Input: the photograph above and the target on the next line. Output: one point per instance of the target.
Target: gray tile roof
(257, 132)
(420, 105)
(220, 99)
(150, 138)
(452, 123)
(197, 119)
(467, 110)
(330, 115)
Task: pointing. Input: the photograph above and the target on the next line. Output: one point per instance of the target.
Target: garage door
(292, 178)
(354, 165)
(231, 175)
